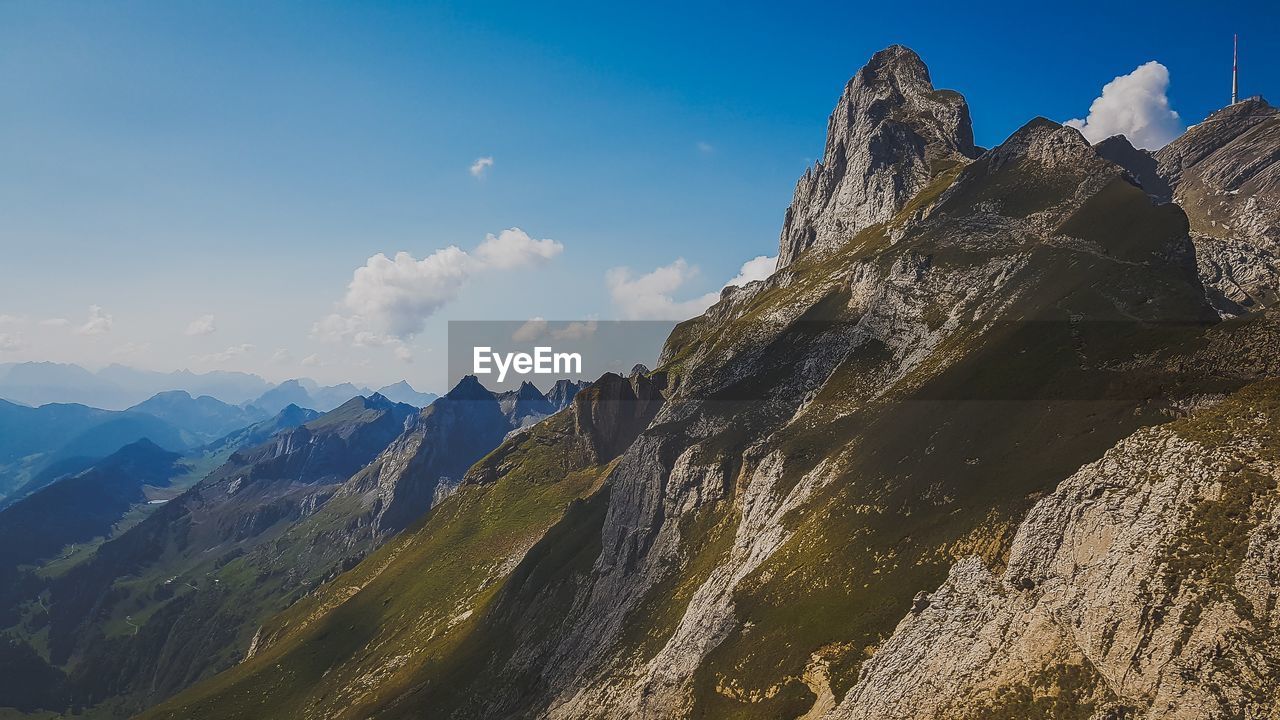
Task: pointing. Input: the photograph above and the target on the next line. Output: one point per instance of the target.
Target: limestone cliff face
(431, 455)
(1225, 173)
(1144, 586)
(889, 134)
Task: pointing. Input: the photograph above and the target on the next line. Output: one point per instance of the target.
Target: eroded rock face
(1225, 173)
(1143, 586)
(888, 135)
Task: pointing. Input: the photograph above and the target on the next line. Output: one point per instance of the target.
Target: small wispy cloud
(225, 356)
(56, 322)
(99, 322)
(531, 330)
(281, 356)
(757, 268)
(481, 166)
(12, 342)
(705, 147)
(203, 325)
(652, 296)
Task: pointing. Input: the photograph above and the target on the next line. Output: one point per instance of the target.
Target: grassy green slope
(400, 616)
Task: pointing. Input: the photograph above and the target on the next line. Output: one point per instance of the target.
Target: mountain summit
(888, 136)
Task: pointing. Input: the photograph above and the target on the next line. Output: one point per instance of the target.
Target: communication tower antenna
(1235, 69)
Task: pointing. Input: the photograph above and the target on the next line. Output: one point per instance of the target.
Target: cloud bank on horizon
(1136, 106)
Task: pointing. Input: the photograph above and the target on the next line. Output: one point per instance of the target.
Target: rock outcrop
(1225, 173)
(888, 136)
(1144, 586)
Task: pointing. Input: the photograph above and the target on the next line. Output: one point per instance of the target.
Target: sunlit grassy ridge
(401, 616)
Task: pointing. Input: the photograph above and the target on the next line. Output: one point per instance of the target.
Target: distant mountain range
(117, 387)
(152, 553)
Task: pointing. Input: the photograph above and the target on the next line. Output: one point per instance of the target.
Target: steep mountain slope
(930, 360)
(1182, 519)
(83, 506)
(288, 418)
(180, 594)
(400, 613)
(57, 527)
(1225, 173)
(173, 576)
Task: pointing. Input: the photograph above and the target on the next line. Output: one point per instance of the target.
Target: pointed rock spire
(888, 135)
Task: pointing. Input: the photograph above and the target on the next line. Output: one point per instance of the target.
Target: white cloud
(203, 325)
(705, 147)
(227, 355)
(575, 331)
(651, 296)
(1136, 106)
(12, 320)
(56, 322)
(281, 356)
(389, 299)
(479, 167)
(757, 268)
(312, 360)
(514, 248)
(12, 342)
(404, 354)
(99, 322)
(531, 330)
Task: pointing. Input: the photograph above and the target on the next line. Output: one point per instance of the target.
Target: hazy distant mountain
(35, 441)
(328, 398)
(289, 392)
(229, 387)
(205, 417)
(404, 392)
(306, 393)
(116, 387)
(38, 383)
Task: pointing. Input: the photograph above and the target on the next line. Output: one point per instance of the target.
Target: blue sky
(168, 161)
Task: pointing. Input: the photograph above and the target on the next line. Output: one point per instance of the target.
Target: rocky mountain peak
(1141, 164)
(469, 388)
(1046, 143)
(889, 134)
(1226, 172)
